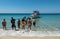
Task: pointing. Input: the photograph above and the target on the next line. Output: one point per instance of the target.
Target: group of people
(25, 21)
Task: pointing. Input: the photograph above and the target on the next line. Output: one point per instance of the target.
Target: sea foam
(28, 33)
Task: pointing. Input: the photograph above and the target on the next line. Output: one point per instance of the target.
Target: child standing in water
(23, 24)
(4, 24)
(29, 23)
(18, 23)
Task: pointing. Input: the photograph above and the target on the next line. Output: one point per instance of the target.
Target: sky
(28, 6)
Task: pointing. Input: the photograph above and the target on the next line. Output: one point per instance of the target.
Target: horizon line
(28, 12)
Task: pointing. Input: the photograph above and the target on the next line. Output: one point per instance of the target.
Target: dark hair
(29, 18)
(4, 19)
(23, 19)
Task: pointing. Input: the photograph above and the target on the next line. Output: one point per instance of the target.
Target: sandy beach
(9, 37)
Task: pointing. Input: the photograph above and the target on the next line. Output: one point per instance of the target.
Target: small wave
(28, 33)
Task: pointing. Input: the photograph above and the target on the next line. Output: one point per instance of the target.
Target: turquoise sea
(47, 22)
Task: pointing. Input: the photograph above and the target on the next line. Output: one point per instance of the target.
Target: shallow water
(47, 25)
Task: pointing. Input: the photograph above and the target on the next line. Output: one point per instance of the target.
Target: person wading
(18, 23)
(4, 24)
(13, 23)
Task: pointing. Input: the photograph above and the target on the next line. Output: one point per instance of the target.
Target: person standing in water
(34, 22)
(13, 23)
(23, 24)
(25, 20)
(29, 23)
(4, 24)
(18, 23)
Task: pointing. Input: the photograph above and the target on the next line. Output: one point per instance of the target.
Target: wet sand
(10, 37)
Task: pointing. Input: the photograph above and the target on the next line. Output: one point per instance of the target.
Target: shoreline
(10, 37)
(24, 33)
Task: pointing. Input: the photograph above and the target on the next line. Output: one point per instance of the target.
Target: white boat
(35, 15)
